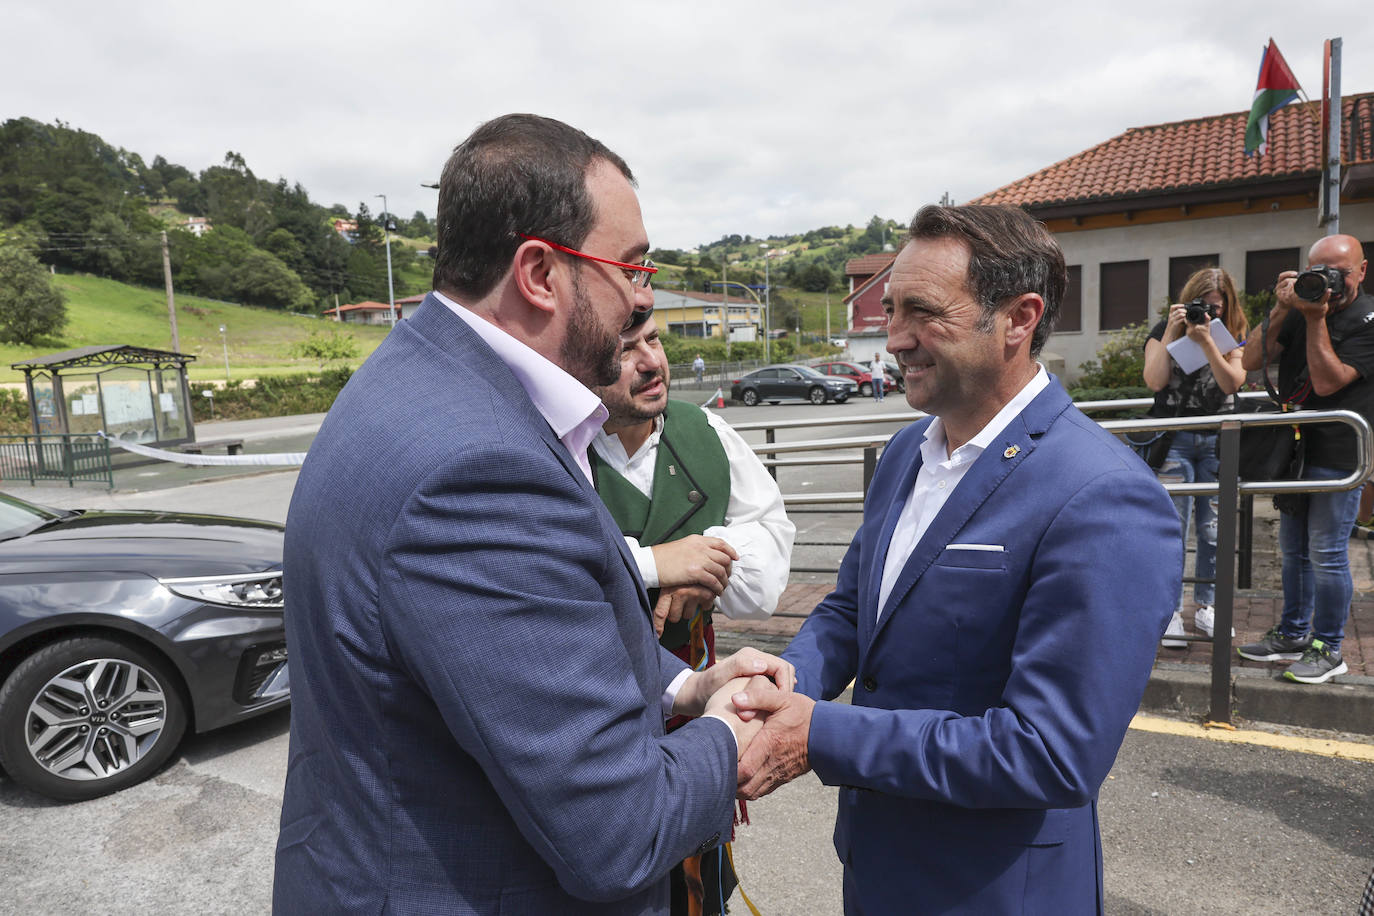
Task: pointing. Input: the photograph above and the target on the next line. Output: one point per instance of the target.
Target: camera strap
(1303, 383)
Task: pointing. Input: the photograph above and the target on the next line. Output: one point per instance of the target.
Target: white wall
(1229, 236)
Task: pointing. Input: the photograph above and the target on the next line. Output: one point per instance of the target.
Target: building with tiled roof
(694, 314)
(363, 313)
(1138, 213)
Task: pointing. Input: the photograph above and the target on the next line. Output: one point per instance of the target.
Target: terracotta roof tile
(868, 264)
(1183, 155)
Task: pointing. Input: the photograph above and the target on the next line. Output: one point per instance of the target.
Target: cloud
(759, 118)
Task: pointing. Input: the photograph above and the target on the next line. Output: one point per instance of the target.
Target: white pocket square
(992, 548)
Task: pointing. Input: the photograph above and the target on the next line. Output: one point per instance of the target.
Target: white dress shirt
(570, 408)
(940, 473)
(755, 523)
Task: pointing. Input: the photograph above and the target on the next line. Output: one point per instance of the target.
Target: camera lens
(1310, 285)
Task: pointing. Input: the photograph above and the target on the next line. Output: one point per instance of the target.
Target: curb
(1343, 704)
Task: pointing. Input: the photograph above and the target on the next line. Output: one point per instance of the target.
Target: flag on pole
(1276, 87)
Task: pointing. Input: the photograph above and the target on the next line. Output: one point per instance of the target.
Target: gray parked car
(790, 382)
(119, 631)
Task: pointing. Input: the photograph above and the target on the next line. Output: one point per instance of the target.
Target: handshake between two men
(751, 691)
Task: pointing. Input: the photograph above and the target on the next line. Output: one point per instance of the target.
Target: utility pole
(171, 301)
(767, 308)
(390, 290)
(827, 316)
(725, 303)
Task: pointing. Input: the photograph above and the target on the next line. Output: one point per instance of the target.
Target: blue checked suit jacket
(993, 692)
(476, 725)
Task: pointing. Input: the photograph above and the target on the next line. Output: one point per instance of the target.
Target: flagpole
(1329, 213)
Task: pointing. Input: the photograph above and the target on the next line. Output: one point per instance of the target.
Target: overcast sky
(737, 117)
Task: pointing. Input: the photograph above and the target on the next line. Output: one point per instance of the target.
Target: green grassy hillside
(101, 311)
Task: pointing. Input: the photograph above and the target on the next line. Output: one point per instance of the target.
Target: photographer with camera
(1192, 456)
(1321, 330)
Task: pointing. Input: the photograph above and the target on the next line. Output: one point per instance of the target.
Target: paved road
(1189, 826)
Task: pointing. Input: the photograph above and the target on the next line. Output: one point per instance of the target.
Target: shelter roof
(108, 355)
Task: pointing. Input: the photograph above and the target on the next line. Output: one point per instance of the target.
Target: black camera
(1200, 312)
(1313, 283)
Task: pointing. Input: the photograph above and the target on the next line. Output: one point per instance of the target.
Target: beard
(589, 352)
(624, 409)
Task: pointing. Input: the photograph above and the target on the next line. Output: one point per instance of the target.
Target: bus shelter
(131, 393)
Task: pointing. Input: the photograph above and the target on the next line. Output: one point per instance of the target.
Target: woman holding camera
(1192, 456)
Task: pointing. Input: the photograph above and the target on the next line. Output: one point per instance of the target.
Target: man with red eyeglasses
(478, 693)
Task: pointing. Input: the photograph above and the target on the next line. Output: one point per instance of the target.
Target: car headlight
(245, 590)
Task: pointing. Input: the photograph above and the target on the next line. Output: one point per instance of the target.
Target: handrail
(1228, 487)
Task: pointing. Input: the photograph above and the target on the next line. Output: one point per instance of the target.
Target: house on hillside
(347, 229)
(693, 314)
(1137, 214)
(363, 313)
(197, 225)
(406, 307)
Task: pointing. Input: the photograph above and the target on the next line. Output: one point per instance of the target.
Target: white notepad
(1191, 357)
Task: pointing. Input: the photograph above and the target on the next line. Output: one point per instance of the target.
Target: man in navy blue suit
(997, 612)
(478, 694)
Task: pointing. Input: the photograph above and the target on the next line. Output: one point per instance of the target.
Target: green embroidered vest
(691, 492)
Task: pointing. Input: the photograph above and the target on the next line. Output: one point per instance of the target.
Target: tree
(30, 307)
(326, 347)
(420, 227)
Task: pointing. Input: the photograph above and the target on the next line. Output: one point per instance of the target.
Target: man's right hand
(695, 560)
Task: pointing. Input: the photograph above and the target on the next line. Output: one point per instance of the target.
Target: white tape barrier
(281, 458)
(715, 400)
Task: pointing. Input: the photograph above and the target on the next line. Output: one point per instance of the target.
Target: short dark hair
(519, 173)
(1010, 253)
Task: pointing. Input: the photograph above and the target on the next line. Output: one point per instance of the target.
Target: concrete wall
(1229, 236)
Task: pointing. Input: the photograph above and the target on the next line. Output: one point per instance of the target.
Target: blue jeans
(877, 387)
(1316, 562)
(1192, 458)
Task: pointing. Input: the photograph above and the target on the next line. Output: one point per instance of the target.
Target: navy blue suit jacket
(994, 690)
(476, 722)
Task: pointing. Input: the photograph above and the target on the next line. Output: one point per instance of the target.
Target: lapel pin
(1012, 451)
(672, 471)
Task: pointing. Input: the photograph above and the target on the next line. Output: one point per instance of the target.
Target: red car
(852, 371)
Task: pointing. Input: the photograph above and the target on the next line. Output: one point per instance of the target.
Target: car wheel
(87, 716)
(816, 395)
(866, 390)
(750, 397)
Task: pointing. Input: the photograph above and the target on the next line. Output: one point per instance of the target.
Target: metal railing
(60, 456)
(1230, 489)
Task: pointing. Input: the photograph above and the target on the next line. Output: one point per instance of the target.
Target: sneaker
(1205, 619)
(1175, 628)
(1273, 646)
(1363, 530)
(1318, 664)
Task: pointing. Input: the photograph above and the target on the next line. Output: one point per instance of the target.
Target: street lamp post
(224, 342)
(390, 289)
(767, 311)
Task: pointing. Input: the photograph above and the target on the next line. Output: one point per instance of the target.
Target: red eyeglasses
(637, 274)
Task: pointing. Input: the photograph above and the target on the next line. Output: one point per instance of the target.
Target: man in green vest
(703, 519)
